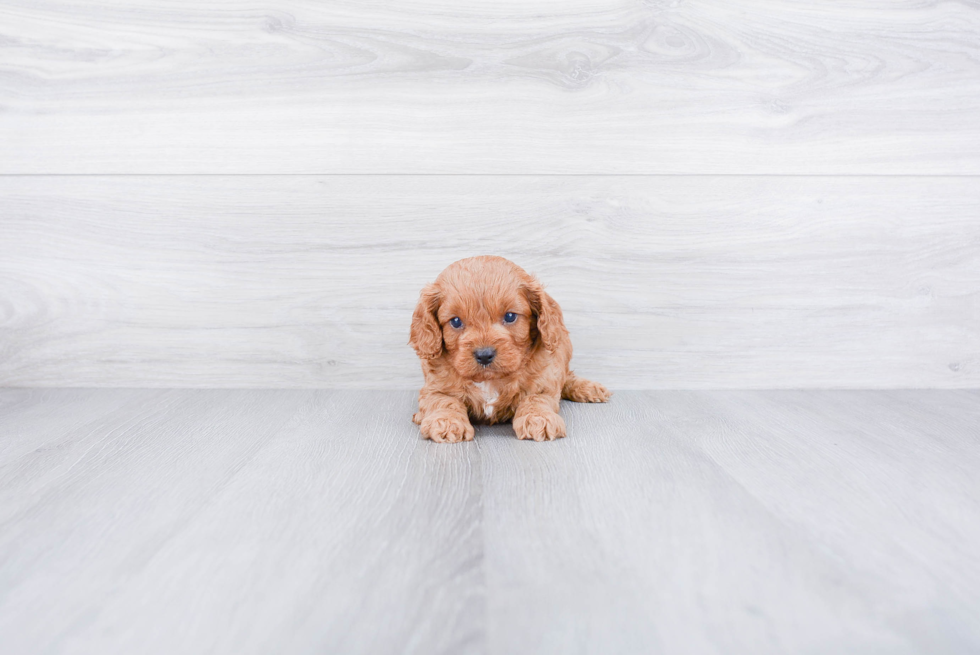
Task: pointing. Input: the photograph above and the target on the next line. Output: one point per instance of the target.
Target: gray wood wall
(751, 194)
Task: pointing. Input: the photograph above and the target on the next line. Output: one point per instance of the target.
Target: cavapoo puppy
(493, 348)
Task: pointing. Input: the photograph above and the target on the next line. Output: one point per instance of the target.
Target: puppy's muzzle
(484, 356)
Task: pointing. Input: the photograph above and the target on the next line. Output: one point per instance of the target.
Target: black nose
(485, 355)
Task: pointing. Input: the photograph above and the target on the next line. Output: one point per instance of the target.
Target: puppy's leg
(536, 417)
(581, 390)
(443, 418)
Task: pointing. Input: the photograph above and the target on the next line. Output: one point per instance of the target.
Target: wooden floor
(189, 521)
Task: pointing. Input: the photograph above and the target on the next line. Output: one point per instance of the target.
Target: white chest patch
(490, 396)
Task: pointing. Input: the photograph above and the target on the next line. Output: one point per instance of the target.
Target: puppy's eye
(456, 322)
(510, 317)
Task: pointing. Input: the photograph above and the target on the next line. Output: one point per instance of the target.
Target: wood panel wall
(753, 194)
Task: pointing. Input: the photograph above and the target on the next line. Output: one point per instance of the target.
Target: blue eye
(456, 322)
(510, 317)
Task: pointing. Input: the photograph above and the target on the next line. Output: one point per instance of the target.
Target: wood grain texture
(165, 521)
(739, 522)
(236, 522)
(451, 86)
(689, 282)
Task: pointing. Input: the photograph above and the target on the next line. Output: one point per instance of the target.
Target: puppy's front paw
(446, 429)
(540, 427)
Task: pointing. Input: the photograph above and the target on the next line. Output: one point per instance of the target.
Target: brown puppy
(493, 348)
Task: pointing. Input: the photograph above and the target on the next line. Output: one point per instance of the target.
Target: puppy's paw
(540, 427)
(585, 391)
(446, 429)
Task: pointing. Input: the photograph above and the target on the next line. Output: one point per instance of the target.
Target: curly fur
(529, 374)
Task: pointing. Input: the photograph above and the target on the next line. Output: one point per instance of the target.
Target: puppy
(493, 348)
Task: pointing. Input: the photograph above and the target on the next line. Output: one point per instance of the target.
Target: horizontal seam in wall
(780, 175)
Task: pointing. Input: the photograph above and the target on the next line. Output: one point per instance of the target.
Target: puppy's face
(482, 314)
(486, 328)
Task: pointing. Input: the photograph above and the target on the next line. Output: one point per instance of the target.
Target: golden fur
(529, 373)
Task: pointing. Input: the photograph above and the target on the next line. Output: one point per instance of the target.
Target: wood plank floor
(246, 521)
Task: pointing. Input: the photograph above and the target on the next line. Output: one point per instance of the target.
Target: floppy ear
(426, 334)
(550, 324)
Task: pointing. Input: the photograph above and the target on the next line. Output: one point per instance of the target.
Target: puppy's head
(486, 315)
